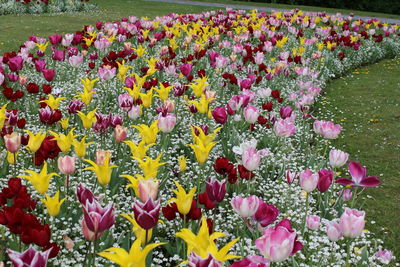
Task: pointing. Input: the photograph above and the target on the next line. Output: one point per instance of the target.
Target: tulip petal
(344, 181)
(370, 181)
(357, 171)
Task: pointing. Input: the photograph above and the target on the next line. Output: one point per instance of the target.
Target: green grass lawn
(366, 103)
(308, 8)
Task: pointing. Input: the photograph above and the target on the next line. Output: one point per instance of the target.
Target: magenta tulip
(266, 214)
(251, 261)
(147, 214)
(30, 257)
(219, 114)
(279, 243)
(40, 65)
(83, 194)
(186, 69)
(216, 190)
(285, 112)
(359, 176)
(195, 260)
(97, 218)
(325, 178)
(352, 222)
(290, 176)
(49, 74)
(15, 63)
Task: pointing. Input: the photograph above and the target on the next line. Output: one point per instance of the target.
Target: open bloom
(53, 204)
(30, 257)
(359, 176)
(148, 133)
(102, 171)
(135, 257)
(40, 181)
(96, 218)
(313, 222)
(337, 158)
(183, 200)
(202, 150)
(279, 242)
(327, 129)
(138, 150)
(150, 166)
(35, 140)
(284, 127)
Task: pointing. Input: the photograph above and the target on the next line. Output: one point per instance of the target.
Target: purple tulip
(266, 214)
(115, 120)
(83, 194)
(216, 190)
(30, 257)
(324, 180)
(195, 260)
(279, 243)
(96, 218)
(15, 63)
(359, 176)
(12, 77)
(337, 158)
(346, 194)
(352, 222)
(245, 207)
(186, 69)
(49, 74)
(40, 65)
(308, 180)
(74, 106)
(313, 222)
(219, 114)
(130, 81)
(251, 261)
(147, 214)
(58, 55)
(333, 231)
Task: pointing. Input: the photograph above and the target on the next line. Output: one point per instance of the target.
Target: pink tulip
(359, 176)
(148, 189)
(333, 231)
(97, 218)
(313, 222)
(324, 180)
(251, 261)
(88, 234)
(251, 158)
(308, 180)
(147, 214)
(49, 74)
(266, 214)
(238, 101)
(327, 129)
(120, 133)
(166, 123)
(12, 142)
(125, 101)
(75, 61)
(66, 164)
(384, 256)
(346, 194)
(259, 58)
(15, 63)
(40, 65)
(169, 105)
(285, 112)
(337, 158)
(58, 55)
(55, 39)
(290, 176)
(278, 243)
(245, 207)
(219, 114)
(284, 128)
(352, 222)
(251, 114)
(195, 260)
(134, 112)
(216, 190)
(186, 69)
(30, 257)
(106, 73)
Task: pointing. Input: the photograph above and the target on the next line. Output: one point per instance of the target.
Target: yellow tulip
(53, 204)
(2, 115)
(11, 157)
(139, 232)
(202, 151)
(163, 92)
(64, 142)
(138, 151)
(200, 86)
(135, 258)
(80, 147)
(202, 137)
(150, 166)
(42, 47)
(183, 200)
(202, 104)
(103, 171)
(89, 84)
(147, 98)
(89, 119)
(203, 243)
(140, 51)
(40, 181)
(86, 96)
(64, 123)
(52, 102)
(182, 163)
(122, 70)
(152, 66)
(148, 134)
(35, 141)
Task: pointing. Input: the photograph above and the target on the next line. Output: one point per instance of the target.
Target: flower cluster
(44, 6)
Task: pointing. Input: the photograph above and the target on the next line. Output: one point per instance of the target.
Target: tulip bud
(251, 158)
(135, 112)
(337, 158)
(66, 164)
(219, 114)
(313, 222)
(324, 180)
(216, 190)
(251, 114)
(68, 243)
(333, 231)
(147, 214)
(352, 222)
(245, 207)
(182, 163)
(308, 180)
(12, 142)
(290, 176)
(120, 133)
(347, 194)
(169, 105)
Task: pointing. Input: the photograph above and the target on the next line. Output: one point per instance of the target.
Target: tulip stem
(354, 197)
(146, 239)
(94, 249)
(348, 254)
(305, 214)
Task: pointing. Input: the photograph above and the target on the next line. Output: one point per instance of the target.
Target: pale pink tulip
(333, 231)
(166, 123)
(148, 189)
(337, 158)
(352, 222)
(308, 180)
(284, 128)
(313, 222)
(66, 164)
(251, 114)
(120, 132)
(12, 142)
(245, 207)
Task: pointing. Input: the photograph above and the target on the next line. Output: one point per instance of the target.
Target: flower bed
(44, 6)
(190, 138)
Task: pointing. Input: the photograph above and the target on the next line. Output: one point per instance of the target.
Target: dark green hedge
(384, 6)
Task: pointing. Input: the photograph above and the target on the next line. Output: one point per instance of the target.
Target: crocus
(327, 129)
(12, 142)
(66, 164)
(251, 114)
(166, 123)
(219, 114)
(313, 222)
(352, 222)
(308, 180)
(337, 158)
(333, 231)
(245, 207)
(284, 127)
(30, 257)
(120, 133)
(279, 242)
(96, 218)
(216, 190)
(359, 176)
(147, 214)
(325, 178)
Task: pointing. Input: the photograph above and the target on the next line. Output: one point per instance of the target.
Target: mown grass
(307, 8)
(366, 103)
